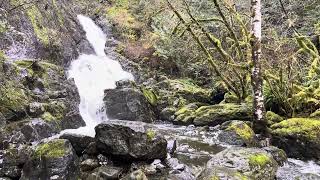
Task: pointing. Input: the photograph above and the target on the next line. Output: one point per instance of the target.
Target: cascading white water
(92, 75)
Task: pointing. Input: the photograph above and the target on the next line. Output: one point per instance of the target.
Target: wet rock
(278, 154)
(125, 84)
(237, 133)
(78, 142)
(12, 159)
(178, 170)
(72, 120)
(89, 164)
(217, 114)
(299, 137)
(128, 104)
(250, 163)
(106, 172)
(171, 146)
(185, 115)
(136, 175)
(55, 159)
(174, 164)
(130, 141)
(167, 114)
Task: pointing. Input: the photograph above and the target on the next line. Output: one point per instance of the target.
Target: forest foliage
(216, 34)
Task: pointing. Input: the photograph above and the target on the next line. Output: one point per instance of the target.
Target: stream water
(96, 72)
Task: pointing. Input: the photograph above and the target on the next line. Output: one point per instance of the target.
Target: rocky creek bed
(204, 133)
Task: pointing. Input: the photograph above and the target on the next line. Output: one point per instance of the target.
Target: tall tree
(260, 124)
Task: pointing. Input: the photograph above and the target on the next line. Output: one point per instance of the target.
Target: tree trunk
(259, 123)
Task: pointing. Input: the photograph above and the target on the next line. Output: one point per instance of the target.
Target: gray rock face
(55, 159)
(128, 104)
(78, 142)
(126, 142)
(238, 163)
(12, 159)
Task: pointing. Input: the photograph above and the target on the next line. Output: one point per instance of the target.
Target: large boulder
(299, 137)
(79, 142)
(241, 163)
(127, 103)
(55, 159)
(237, 133)
(212, 115)
(132, 141)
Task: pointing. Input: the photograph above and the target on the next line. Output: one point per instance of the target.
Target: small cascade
(92, 75)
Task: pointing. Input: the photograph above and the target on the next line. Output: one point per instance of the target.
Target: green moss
(151, 134)
(273, 118)
(230, 98)
(12, 96)
(35, 17)
(150, 96)
(304, 127)
(48, 117)
(52, 149)
(207, 115)
(260, 160)
(243, 130)
(241, 176)
(214, 178)
(2, 56)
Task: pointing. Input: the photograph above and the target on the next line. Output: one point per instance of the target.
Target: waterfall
(92, 75)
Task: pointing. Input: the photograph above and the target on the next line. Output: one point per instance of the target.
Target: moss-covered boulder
(185, 115)
(212, 115)
(299, 137)
(55, 159)
(217, 114)
(237, 133)
(241, 163)
(273, 118)
(179, 92)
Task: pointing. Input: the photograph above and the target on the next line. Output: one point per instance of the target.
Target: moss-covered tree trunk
(260, 124)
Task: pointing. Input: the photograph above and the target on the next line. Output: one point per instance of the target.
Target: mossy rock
(219, 173)
(299, 137)
(217, 114)
(180, 92)
(52, 149)
(247, 163)
(237, 133)
(54, 158)
(273, 118)
(185, 115)
(230, 98)
(150, 96)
